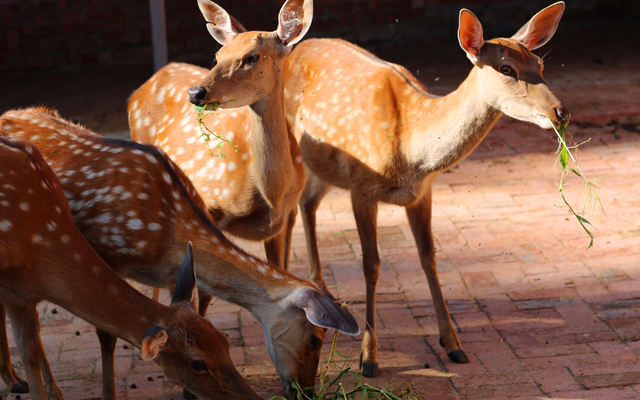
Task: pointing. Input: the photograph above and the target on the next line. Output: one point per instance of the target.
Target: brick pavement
(538, 314)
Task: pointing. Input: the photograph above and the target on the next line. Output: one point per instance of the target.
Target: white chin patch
(544, 122)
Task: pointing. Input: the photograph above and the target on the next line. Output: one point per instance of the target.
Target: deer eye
(506, 70)
(252, 59)
(315, 343)
(198, 365)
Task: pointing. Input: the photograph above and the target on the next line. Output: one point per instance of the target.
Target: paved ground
(539, 315)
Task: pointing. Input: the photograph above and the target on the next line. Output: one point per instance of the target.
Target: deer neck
(449, 128)
(94, 292)
(239, 278)
(271, 147)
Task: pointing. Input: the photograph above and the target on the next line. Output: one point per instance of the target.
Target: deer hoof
(20, 387)
(188, 395)
(458, 357)
(370, 370)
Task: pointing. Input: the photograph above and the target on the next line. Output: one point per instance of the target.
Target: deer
(251, 194)
(43, 256)
(370, 127)
(139, 210)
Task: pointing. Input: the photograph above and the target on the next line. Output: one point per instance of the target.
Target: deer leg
(312, 194)
(365, 211)
(108, 348)
(274, 248)
(419, 216)
(287, 239)
(26, 330)
(204, 300)
(7, 372)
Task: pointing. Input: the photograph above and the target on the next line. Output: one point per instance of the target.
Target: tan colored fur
(139, 211)
(370, 127)
(45, 257)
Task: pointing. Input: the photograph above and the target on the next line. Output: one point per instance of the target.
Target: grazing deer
(138, 210)
(43, 256)
(253, 193)
(370, 127)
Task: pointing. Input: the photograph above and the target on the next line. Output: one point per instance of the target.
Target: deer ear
(470, 34)
(294, 21)
(322, 311)
(540, 29)
(153, 342)
(222, 26)
(186, 284)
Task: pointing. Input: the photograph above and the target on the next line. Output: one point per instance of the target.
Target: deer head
(190, 340)
(509, 74)
(250, 64)
(296, 355)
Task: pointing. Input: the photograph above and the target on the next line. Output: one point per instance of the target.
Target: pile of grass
(340, 382)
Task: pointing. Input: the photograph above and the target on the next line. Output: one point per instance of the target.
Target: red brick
(598, 394)
(552, 351)
(554, 380)
(561, 361)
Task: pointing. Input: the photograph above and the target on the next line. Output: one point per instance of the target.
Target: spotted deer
(253, 193)
(138, 210)
(372, 128)
(43, 256)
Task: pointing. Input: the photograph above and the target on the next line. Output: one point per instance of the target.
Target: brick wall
(47, 34)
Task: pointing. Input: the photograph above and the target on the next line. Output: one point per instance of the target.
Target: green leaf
(576, 172)
(345, 356)
(581, 219)
(563, 158)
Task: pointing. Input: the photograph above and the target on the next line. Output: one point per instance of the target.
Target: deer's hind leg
(7, 371)
(26, 330)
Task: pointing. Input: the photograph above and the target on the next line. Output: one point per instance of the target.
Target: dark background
(86, 57)
(59, 34)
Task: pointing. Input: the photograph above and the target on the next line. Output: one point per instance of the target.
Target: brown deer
(252, 193)
(43, 256)
(371, 127)
(138, 210)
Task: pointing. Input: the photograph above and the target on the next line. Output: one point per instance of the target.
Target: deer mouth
(545, 122)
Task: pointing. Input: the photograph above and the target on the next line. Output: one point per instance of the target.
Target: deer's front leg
(7, 372)
(274, 248)
(312, 194)
(26, 330)
(419, 216)
(365, 211)
(108, 348)
(287, 238)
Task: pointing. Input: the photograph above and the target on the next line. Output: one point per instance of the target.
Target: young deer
(138, 210)
(43, 256)
(369, 126)
(253, 193)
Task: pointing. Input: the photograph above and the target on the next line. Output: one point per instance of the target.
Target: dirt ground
(539, 315)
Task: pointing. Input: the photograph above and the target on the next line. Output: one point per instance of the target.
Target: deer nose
(563, 114)
(197, 94)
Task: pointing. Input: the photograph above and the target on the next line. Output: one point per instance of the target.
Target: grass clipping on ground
(339, 382)
(204, 111)
(591, 188)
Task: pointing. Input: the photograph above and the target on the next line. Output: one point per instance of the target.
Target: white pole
(158, 34)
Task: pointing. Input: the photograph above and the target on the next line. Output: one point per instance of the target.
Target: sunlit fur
(139, 211)
(43, 256)
(372, 128)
